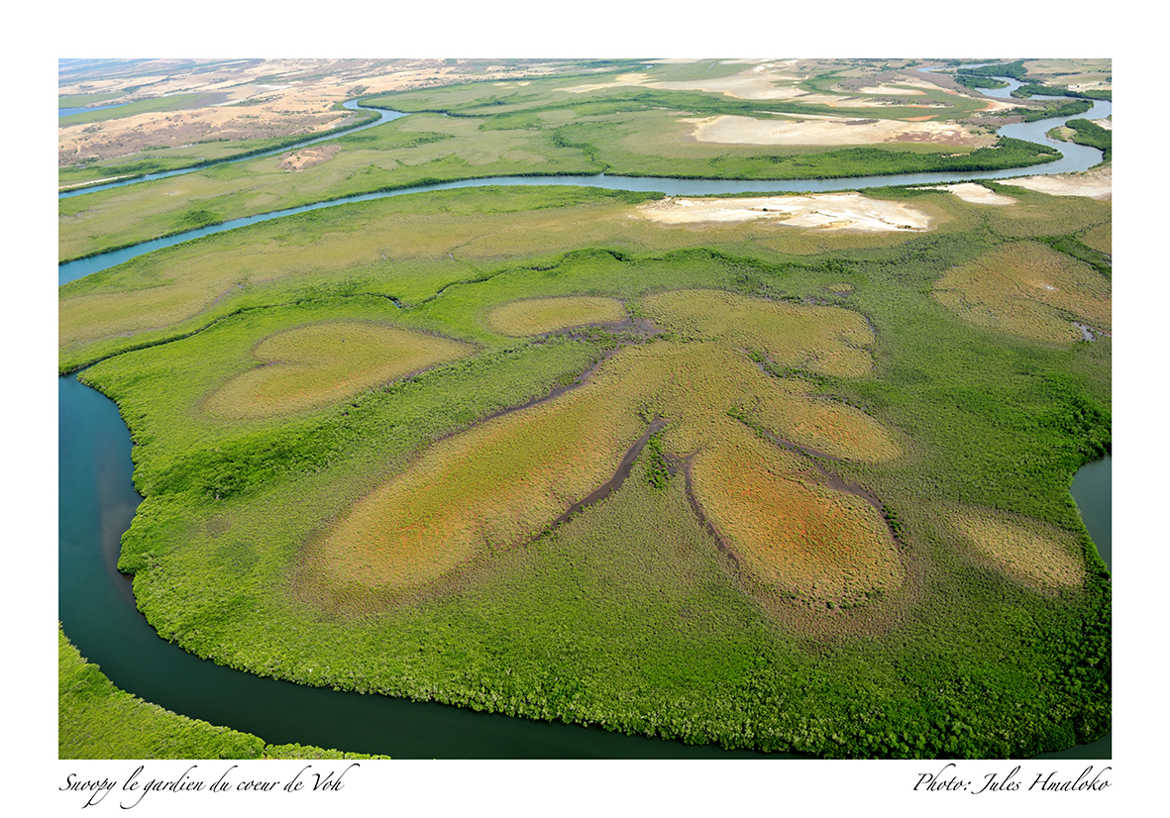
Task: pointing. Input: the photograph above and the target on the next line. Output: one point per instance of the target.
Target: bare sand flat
(974, 193)
(1107, 124)
(878, 90)
(1096, 183)
(830, 130)
(827, 211)
(769, 80)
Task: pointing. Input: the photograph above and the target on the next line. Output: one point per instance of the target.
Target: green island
(783, 472)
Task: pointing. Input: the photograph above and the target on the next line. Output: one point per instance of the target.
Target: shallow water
(1092, 488)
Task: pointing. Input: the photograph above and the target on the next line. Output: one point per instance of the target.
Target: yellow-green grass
(1028, 551)
(480, 491)
(791, 530)
(314, 365)
(503, 481)
(532, 316)
(1100, 237)
(435, 240)
(420, 148)
(1039, 214)
(828, 340)
(1027, 289)
(834, 428)
(840, 288)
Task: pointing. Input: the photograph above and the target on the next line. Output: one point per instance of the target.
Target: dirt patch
(974, 193)
(825, 211)
(1096, 183)
(831, 130)
(1107, 124)
(308, 157)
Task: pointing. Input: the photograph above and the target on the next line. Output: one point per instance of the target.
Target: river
(1075, 158)
(97, 501)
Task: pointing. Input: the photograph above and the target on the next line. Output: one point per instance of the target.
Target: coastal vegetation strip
(97, 720)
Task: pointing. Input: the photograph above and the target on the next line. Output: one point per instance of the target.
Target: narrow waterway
(98, 612)
(1074, 158)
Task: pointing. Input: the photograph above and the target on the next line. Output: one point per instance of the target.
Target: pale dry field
(826, 211)
(1096, 183)
(779, 80)
(268, 99)
(830, 130)
(308, 157)
(974, 193)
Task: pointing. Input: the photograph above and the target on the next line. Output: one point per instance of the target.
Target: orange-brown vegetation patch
(483, 490)
(817, 544)
(1100, 237)
(318, 364)
(505, 480)
(828, 426)
(1027, 289)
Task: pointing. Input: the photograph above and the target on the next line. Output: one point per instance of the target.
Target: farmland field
(785, 473)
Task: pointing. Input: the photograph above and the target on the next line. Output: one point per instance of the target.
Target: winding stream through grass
(1074, 158)
(98, 500)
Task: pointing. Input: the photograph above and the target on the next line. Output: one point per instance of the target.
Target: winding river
(98, 500)
(1075, 158)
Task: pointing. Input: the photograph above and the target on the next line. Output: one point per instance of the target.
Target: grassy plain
(637, 613)
(540, 126)
(1044, 559)
(532, 316)
(1028, 289)
(320, 363)
(163, 158)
